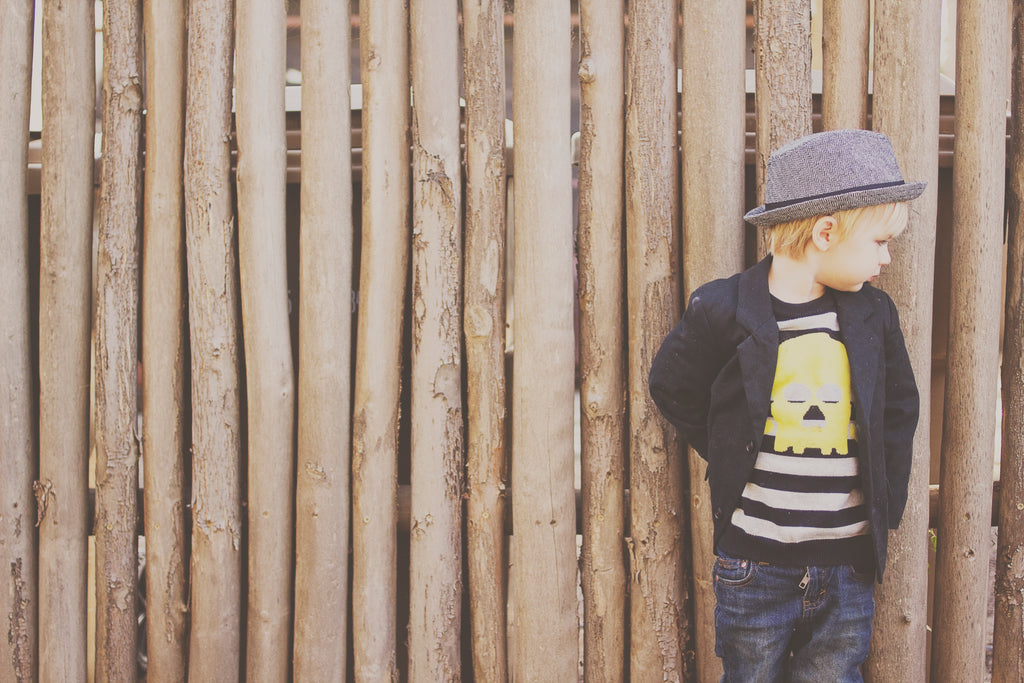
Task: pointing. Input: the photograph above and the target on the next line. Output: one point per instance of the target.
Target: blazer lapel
(759, 352)
(863, 341)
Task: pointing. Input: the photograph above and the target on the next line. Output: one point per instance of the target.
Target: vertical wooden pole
(602, 337)
(117, 304)
(269, 380)
(1008, 655)
(325, 341)
(543, 506)
(65, 286)
(660, 609)
(435, 551)
(215, 638)
(714, 110)
(907, 50)
(484, 327)
(18, 603)
(846, 31)
(782, 48)
(383, 47)
(164, 373)
(969, 421)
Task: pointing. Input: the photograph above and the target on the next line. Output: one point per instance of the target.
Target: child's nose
(885, 258)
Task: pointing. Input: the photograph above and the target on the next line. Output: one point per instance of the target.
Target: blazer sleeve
(682, 374)
(901, 416)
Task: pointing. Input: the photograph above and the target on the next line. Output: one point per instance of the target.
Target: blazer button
(750, 447)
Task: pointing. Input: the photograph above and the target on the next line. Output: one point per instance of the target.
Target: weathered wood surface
(216, 564)
(65, 317)
(713, 233)
(325, 353)
(782, 50)
(19, 602)
(660, 599)
(969, 420)
(269, 377)
(906, 49)
(116, 344)
(383, 45)
(1008, 654)
(164, 370)
(435, 537)
(846, 33)
(543, 571)
(484, 329)
(602, 353)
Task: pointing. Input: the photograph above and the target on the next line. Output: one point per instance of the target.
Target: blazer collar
(863, 341)
(754, 304)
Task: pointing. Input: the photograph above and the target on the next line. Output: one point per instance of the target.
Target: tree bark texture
(164, 370)
(713, 126)
(484, 328)
(116, 355)
(18, 603)
(906, 50)
(325, 347)
(602, 337)
(969, 421)
(846, 32)
(1008, 655)
(661, 634)
(544, 543)
(215, 635)
(383, 45)
(269, 381)
(782, 49)
(65, 286)
(435, 550)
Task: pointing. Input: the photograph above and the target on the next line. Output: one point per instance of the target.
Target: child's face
(859, 258)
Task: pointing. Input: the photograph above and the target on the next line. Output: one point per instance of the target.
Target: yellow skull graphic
(811, 396)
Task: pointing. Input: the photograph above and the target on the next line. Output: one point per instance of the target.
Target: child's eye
(882, 243)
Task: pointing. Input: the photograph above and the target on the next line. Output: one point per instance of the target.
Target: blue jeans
(776, 623)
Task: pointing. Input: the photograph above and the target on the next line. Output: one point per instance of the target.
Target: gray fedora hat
(826, 172)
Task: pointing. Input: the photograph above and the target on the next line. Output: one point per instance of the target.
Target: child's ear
(823, 233)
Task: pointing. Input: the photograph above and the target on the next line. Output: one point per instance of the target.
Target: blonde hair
(792, 239)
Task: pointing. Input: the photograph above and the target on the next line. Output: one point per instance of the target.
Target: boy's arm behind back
(682, 374)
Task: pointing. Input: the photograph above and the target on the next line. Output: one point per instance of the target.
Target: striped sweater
(803, 503)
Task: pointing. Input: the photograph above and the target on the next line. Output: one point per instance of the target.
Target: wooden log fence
(215, 572)
(906, 48)
(435, 534)
(384, 259)
(484, 330)
(1007, 653)
(325, 349)
(602, 339)
(65, 304)
(308, 517)
(18, 549)
(164, 357)
(969, 414)
(713, 239)
(544, 624)
(116, 344)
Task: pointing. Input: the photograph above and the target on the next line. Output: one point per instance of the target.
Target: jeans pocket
(865, 576)
(734, 572)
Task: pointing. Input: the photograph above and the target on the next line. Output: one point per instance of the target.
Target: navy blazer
(712, 379)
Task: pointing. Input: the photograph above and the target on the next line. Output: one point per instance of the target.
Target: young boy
(792, 380)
